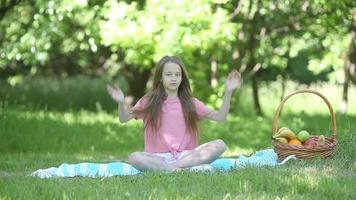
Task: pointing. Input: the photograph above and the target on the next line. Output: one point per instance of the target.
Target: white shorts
(169, 158)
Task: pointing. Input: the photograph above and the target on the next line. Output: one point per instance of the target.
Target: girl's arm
(118, 96)
(233, 81)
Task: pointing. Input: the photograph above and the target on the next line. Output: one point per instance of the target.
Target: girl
(171, 114)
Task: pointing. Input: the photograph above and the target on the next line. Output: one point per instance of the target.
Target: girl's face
(171, 77)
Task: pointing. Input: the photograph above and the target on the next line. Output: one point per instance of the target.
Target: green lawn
(35, 135)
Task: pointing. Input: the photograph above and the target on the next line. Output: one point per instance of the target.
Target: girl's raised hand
(115, 93)
(233, 81)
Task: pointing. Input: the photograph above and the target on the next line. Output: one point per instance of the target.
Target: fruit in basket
(320, 141)
(282, 140)
(303, 135)
(294, 141)
(315, 141)
(311, 142)
(285, 132)
(283, 128)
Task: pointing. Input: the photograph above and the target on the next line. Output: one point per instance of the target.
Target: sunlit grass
(235, 151)
(72, 117)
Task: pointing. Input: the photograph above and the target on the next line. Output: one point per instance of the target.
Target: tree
(193, 30)
(274, 35)
(123, 38)
(51, 37)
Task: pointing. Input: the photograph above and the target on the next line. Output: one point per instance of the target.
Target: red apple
(311, 141)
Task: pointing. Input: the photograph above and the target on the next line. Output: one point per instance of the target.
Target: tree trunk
(252, 64)
(343, 105)
(253, 68)
(255, 95)
(349, 69)
(283, 88)
(351, 58)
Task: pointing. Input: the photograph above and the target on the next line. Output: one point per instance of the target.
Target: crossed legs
(149, 162)
(203, 154)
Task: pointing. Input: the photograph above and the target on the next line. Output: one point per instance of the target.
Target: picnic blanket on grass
(261, 158)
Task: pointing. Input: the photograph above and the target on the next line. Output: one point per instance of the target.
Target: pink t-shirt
(173, 135)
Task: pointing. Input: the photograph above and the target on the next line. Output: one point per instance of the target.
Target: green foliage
(272, 34)
(298, 69)
(194, 30)
(303, 41)
(45, 35)
(79, 29)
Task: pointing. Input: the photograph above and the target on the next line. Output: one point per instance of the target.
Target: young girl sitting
(170, 114)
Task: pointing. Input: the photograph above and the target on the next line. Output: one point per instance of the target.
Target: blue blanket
(261, 158)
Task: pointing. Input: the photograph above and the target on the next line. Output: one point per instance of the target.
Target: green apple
(303, 135)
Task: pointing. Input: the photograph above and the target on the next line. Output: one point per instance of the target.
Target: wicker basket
(302, 152)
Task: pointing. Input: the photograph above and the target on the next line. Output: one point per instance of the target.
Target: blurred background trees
(306, 41)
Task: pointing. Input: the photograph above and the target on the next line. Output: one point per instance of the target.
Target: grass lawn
(35, 135)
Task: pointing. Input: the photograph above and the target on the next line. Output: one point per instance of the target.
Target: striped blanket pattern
(261, 158)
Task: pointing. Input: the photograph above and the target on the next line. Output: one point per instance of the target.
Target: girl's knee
(135, 157)
(220, 144)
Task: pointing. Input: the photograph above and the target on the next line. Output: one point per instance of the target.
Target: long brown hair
(157, 95)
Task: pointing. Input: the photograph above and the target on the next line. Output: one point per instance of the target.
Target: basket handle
(280, 107)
